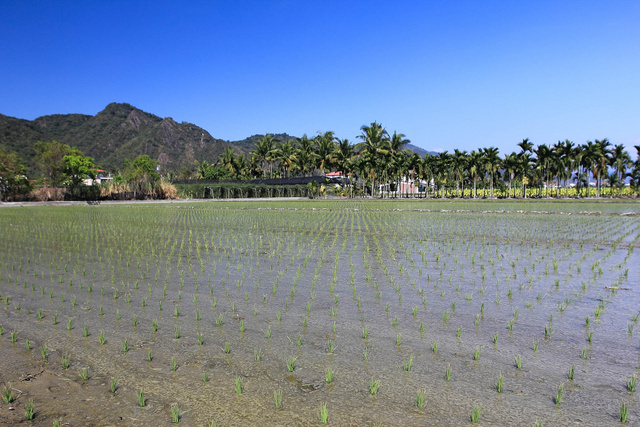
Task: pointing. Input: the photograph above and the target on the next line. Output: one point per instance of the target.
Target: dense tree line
(380, 158)
(67, 168)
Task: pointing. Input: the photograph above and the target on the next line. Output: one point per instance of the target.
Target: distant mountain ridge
(122, 131)
(118, 132)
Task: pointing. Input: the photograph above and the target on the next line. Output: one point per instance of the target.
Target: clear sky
(448, 74)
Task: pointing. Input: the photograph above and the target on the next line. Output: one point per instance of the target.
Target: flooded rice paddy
(525, 311)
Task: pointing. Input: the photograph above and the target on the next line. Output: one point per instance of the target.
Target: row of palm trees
(381, 158)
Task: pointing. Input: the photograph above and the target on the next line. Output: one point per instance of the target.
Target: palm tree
(343, 156)
(395, 156)
(459, 166)
(565, 161)
(413, 165)
(474, 165)
(265, 152)
(544, 162)
(228, 161)
(526, 148)
(374, 145)
(511, 165)
(621, 162)
(305, 156)
(635, 172)
(588, 160)
(325, 151)
(286, 156)
(491, 163)
(602, 160)
(442, 170)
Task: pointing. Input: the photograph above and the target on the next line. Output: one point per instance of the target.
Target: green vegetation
(631, 382)
(623, 412)
(141, 399)
(204, 257)
(7, 394)
(475, 414)
(420, 397)
(175, 414)
(323, 413)
(374, 386)
(29, 410)
(277, 397)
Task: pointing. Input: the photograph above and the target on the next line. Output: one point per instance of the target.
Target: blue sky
(448, 74)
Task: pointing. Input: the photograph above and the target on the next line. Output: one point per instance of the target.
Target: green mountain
(118, 132)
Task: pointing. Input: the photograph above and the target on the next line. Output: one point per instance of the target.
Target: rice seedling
(39, 314)
(365, 332)
(176, 332)
(83, 373)
(291, 363)
(65, 361)
(406, 366)
(7, 394)
(447, 373)
(623, 412)
(13, 336)
(559, 394)
(55, 318)
(328, 376)
(499, 384)
(434, 347)
(548, 331)
(175, 414)
(631, 383)
(458, 333)
(475, 414)
(572, 372)
(101, 338)
(518, 360)
(257, 354)
(476, 353)
(43, 352)
(267, 333)
(535, 345)
(277, 397)
(227, 347)
(205, 377)
(141, 399)
(420, 397)
(174, 364)
(29, 410)
(583, 354)
(125, 346)
(323, 413)
(374, 386)
(330, 347)
(27, 344)
(238, 383)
